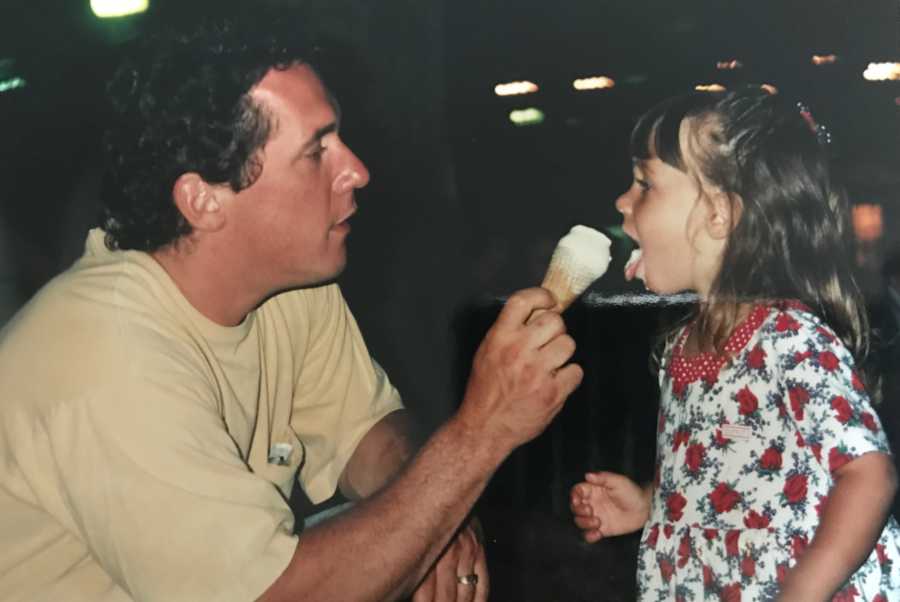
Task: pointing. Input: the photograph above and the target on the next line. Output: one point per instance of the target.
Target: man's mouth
(635, 265)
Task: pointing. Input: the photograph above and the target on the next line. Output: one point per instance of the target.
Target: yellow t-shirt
(146, 453)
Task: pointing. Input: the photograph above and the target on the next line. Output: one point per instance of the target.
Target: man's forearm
(442, 483)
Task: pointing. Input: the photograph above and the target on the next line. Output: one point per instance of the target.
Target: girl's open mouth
(635, 266)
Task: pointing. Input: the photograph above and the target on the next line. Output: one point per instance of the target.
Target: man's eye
(316, 154)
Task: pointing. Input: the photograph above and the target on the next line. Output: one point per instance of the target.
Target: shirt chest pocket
(285, 458)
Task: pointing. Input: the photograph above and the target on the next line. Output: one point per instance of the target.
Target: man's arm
(382, 548)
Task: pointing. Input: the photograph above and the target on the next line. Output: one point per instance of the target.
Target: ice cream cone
(580, 258)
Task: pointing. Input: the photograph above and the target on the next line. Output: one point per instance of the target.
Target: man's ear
(197, 201)
(724, 215)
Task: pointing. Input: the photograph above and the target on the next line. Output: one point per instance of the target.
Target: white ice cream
(588, 248)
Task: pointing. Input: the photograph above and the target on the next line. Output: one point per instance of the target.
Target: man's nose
(355, 174)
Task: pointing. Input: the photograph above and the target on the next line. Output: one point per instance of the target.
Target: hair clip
(823, 135)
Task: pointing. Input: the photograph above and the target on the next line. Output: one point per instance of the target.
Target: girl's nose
(624, 203)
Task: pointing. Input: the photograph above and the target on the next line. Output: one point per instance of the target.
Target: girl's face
(675, 228)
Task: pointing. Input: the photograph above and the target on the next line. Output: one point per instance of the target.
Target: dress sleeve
(340, 394)
(822, 394)
(157, 490)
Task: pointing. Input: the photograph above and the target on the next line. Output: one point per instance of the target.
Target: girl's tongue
(635, 266)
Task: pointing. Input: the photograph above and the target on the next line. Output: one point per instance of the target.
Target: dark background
(464, 207)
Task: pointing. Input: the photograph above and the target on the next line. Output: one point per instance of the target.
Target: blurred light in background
(709, 88)
(729, 65)
(823, 59)
(593, 83)
(878, 72)
(11, 84)
(514, 88)
(867, 222)
(106, 9)
(529, 116)
(769, 88)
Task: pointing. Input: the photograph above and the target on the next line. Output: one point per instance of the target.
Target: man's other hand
(450, 579)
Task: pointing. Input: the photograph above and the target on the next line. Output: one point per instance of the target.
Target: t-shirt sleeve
(822, 392)
(341, 393)
(155, 486)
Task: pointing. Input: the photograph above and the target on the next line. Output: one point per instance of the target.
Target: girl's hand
(607, 504)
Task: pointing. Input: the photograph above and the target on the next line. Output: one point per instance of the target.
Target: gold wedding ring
(470, 579)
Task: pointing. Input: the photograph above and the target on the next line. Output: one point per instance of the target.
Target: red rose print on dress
(693, 457)
(857, 381)
(869, 422)
(709, 578)
(731, 542)
(748, 566)
(684, 550)
(724, 498)
(710, 534)
(681, 436)
(795, 488)
(653, 536)
(842, 409)
(668, 530)
(799, 398)
(828, 361)
(882, 554)
(666, 569)
(880, 598)
(731, 593)
(747, 401)
(675, 504)
(786, 322)
(755, 520)
(837, 457)
(798, 545)
(828, 336)
(770, 461)
(756, 359)
(802, 356)
(720, 440)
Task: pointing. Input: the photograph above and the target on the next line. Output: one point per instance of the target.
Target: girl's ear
(197, 202)
(724, 215)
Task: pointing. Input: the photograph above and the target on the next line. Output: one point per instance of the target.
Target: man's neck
(207, 281)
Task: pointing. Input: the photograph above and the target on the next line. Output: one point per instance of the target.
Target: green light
(11, 84)
(106, 9)
(529, 116)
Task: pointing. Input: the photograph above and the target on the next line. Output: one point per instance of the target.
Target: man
(161, 396)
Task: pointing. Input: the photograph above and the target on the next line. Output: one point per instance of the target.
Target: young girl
(773, 477)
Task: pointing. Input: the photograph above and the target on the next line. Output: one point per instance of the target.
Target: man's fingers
(445, 590)
(425, 591)
(558, 351)
(521, 304)
(484, 580)
(569, 377)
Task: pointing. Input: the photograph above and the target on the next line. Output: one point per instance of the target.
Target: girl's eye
(644, 184)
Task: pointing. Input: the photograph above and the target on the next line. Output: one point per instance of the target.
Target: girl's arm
(850, 523)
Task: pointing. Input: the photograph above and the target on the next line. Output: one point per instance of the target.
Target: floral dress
(745, 454)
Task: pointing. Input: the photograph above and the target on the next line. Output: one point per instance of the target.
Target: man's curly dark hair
(181, 104)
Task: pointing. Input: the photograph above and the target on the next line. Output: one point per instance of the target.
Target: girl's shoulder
(795, 333)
